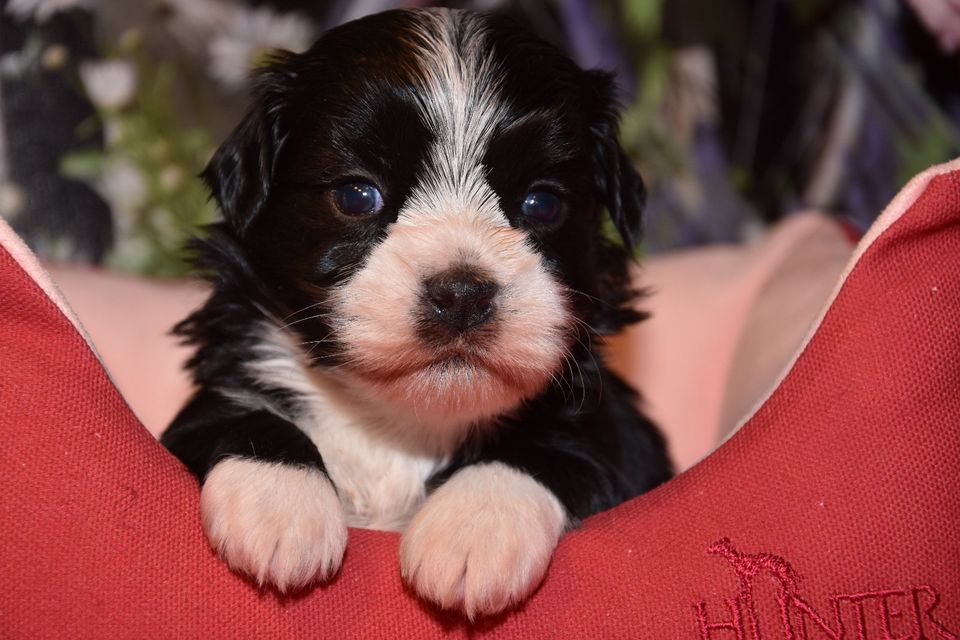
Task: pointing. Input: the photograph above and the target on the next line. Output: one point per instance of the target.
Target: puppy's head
(420, 196)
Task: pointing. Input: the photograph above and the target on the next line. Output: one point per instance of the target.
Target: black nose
(461, 297)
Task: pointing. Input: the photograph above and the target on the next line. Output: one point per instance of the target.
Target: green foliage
(644, 131)
(643, 18)
(643, 128)
(162, 201)
(937, 140)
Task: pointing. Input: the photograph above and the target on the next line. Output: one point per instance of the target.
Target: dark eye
(358, 199)
(542, 206)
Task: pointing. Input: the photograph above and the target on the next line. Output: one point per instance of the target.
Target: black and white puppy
(408, 287)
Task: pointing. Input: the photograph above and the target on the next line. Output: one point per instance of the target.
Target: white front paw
(280, 524)
(482, 542)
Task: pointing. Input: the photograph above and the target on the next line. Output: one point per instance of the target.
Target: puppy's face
(421, 195)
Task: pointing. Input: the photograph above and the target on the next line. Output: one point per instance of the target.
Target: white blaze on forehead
(461, 102)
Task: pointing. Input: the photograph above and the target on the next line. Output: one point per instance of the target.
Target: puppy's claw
(280, 524)
(483, 541)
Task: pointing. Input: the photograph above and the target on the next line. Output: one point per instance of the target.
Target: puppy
(408, 287)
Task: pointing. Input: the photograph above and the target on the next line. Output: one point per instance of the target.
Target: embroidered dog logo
(904, 613)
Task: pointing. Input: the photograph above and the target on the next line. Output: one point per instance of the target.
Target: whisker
(298, 311)
(583, 384)
(563, 384)
(587, 296)
(313, 317)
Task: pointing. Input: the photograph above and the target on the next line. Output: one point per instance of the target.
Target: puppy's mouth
(448, 363)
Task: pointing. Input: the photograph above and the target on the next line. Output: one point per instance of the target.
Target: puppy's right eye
(358, 199)
(542, 206)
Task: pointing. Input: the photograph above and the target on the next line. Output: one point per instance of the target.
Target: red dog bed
(834, 512)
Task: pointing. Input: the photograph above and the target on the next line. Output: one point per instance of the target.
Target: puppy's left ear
(618, 184)
(240, 173)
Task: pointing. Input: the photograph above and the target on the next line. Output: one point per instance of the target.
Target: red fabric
(836, 509)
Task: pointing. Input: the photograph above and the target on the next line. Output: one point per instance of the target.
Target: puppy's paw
(482, 542)
(280, 524)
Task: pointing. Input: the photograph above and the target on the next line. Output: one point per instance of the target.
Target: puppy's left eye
(358, 199)
(542, 206)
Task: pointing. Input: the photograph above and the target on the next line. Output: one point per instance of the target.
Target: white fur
(483, 541)
(282, 525)
(462, 104)
(378, 470)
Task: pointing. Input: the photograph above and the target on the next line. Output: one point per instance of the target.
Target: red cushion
(835, 509)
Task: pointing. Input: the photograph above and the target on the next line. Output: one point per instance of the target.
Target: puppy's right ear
(240, 173)
(617, 182)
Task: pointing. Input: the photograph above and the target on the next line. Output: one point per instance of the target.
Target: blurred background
(737, 113)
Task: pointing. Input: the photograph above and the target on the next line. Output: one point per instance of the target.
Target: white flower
(41, 10)
(124, 188)
(109, 83)
(249, 36)
(12, 200)
(13, 65)
(193, 24)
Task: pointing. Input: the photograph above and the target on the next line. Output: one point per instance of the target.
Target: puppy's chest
(380, 484)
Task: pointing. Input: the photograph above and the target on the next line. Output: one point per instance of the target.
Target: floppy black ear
(616, 179)
(240, 172)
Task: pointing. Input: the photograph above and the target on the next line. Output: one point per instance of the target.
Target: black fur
(348, 108)
(587, 443)
(210, 430)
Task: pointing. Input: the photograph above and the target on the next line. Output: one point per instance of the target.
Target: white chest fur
(380, 484)
(380, 477)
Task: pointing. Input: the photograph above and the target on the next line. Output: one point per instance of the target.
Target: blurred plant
(147, 168)
(888, 126)
(671, 128)
(735, 112)
(644, 128)
(626, 38)
(143, 97)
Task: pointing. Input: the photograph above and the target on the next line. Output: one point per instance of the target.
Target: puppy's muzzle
(461, 298)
